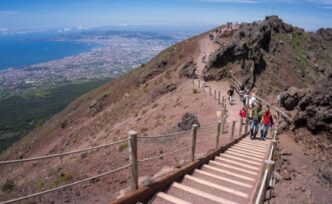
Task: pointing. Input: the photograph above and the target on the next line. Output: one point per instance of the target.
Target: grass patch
(8, 186)
(123, 147)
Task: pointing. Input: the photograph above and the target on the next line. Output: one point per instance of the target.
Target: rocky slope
(271, 56)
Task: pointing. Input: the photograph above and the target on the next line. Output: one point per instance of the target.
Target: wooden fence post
(133, 159)
(269, 168)
(210, 90)
(246, 126)
(199, 83)
(274, 146)
(219, 98)
(223, 101)
(241, 125)
(215, 94)
(194, 135)
(233, 128)
(223, 123)
(218, 133)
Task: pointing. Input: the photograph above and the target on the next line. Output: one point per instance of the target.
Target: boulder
(325, 172)
(291, 98)
(187, 69)
(325, 33)
(187, 121)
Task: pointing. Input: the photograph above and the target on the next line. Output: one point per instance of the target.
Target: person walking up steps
(256, 118)
(266, 122)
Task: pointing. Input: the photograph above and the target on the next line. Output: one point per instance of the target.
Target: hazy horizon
(20, 14)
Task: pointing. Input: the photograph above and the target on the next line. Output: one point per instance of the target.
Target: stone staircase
(230, 178)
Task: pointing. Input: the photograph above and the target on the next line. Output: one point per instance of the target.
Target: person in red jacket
(243, 113)
(266, 122)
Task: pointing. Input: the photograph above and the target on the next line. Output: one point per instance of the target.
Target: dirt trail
(208, 46)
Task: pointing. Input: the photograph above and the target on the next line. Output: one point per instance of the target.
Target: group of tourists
(258, 118)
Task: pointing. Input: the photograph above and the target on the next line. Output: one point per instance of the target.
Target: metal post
(219, 98)
(133, 159)
(193, 149)
(218, 133)
(241, 125)
(233, 128)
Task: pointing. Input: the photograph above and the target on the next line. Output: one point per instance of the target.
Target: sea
(18, 51)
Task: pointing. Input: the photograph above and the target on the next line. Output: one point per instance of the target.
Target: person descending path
(230, 94)
(266, 122)
(256, 118)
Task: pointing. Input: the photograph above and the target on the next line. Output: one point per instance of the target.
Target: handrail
(65, 186)
(161, 136)
(61, 154)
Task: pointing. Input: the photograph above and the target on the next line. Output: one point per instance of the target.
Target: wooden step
(259, 142)
(250, 151)
(240, 176)
(237, 163)
(216, 186)
(244, 156)
(195, 196)
(252, 147)
(217, 178)
(241, 159)
(170, 199)
(231, 167)
(235, 151)
(215, 189)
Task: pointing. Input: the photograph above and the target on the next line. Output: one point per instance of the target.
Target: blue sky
(309, 14)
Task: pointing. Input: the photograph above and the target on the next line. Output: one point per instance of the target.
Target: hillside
(268, 57)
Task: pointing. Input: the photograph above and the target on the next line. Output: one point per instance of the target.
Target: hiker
(245, 99)
(194, 76)
(252, 99)
(266, 122)
(205, 76)
(256, 118)
(230, 94)
(243, 113)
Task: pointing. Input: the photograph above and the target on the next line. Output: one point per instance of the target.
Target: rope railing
(164, 155)
(61, 154)
(65, 186)
(166, 135)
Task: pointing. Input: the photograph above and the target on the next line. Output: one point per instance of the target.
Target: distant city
(112, 54)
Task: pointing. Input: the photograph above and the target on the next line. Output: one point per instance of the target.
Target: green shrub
(8, 186)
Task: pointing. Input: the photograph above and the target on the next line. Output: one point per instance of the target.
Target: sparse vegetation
(123, 146)
(8, 186)
(20, 114)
